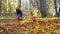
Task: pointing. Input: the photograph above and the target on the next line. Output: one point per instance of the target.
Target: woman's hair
(17, 7)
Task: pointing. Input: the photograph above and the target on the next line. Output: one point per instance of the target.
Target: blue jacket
(19, 13)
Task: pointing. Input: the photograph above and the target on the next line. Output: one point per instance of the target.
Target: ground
(40, 26)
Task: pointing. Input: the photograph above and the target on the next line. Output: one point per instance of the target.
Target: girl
(34, 13)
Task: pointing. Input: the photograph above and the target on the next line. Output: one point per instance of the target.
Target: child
(19, 14)
(34, 13)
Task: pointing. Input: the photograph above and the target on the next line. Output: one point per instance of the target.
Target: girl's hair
(32, 13)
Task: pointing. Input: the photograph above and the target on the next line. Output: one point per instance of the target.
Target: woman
(19, 14)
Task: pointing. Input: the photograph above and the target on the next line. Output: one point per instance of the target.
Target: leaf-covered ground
(40, 26)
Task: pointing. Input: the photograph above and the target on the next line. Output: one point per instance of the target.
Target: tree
(0, 6)
(58, 6)
(43, 8)
(19, 3)
(32, 2)
(38, 5)
(55, 7)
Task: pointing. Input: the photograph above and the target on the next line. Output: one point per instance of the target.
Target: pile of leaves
(40, 26)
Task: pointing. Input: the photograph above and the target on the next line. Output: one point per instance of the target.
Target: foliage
(40, 26)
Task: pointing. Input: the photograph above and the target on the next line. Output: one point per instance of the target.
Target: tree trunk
(55, 7)
(0, 7)
(38, 4)
(31, 1)
(19, 3)
(59, 12)
(43, 8)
